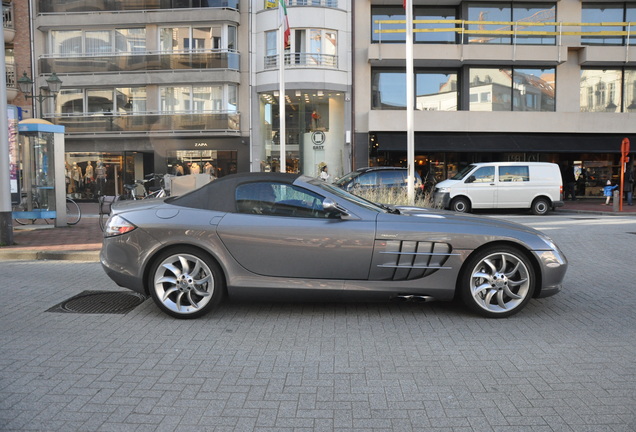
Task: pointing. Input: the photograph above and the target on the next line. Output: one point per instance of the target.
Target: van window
(513, 173)
(484, 175)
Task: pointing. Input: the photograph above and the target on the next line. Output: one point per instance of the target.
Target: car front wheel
(497, 282)
(186, 283)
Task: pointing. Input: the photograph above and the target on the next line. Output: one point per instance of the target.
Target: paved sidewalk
(83, 241)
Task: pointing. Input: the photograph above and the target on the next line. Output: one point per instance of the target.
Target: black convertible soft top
(219, 195)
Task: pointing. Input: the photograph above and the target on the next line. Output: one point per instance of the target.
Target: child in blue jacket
(607, 191)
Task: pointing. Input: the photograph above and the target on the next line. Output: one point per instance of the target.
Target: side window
(278, 199)
(391, 178)
(483, 175)
(367, 179)
(514, 174)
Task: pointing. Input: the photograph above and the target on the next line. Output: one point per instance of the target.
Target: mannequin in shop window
(100, 177)
(195, 168)
(76, 178)
(178, 170)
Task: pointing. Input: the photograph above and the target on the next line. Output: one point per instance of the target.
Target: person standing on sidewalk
(629, 183)
(569, 182)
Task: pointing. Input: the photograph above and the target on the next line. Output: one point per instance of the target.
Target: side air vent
(406, 260)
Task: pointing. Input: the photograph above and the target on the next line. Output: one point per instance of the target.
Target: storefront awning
(493, 142)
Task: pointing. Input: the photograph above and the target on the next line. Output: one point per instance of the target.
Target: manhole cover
(100, 302)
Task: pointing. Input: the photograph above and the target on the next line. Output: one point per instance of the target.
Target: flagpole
(281, 98)
(410, 103)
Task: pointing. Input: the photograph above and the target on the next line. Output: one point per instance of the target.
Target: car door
(294, 237)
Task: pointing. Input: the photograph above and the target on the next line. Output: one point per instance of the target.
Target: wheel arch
(527, 253)
(458, 197)
(153, 258)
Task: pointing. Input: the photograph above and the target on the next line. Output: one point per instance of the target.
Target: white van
(493, 185)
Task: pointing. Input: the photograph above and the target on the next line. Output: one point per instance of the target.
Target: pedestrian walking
(569, 182)
(608, 191)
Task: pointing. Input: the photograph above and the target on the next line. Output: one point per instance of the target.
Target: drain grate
(100, 302)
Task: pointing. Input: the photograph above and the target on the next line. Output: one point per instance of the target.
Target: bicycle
(105, 204)
(73, 212)
(106, 201)
(131, 188)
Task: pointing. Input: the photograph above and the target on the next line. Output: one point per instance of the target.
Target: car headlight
(558, 257)
(117, 225)
(442, 189)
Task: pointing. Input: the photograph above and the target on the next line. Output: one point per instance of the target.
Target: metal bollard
(615, 200)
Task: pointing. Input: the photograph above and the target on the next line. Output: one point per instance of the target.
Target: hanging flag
(282, 15)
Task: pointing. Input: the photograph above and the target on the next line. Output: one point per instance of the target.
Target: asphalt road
(566, 363)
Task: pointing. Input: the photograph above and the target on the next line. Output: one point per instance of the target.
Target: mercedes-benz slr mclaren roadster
(292, 237)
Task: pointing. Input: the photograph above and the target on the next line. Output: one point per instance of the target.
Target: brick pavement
(566, 363)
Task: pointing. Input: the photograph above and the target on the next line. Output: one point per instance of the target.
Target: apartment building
(147, 86)
(188, 86)
(543, 81)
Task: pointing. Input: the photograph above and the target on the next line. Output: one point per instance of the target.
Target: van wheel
(540, 206)
(460, 205)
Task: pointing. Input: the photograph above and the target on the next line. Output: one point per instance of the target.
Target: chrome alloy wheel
(183, 285)
(500, 283)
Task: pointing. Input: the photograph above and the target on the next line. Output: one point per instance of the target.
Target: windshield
(460, 175)
(347, 196)
(347, 178)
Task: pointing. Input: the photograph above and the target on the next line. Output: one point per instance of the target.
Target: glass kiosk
(41, 164)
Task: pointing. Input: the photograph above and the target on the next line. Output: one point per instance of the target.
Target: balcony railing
(303, 60)
(66, 6)
(222, 122)
(11, 74)
(130, 62)
(316, 3)
(479, 32)
(7, 16)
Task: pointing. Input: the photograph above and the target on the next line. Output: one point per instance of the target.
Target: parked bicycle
(73, 212)
(132, 189)
(106, 201)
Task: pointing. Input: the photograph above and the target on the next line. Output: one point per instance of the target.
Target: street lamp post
(25, 84)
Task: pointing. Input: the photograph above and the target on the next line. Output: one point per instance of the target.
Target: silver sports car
(293, 237)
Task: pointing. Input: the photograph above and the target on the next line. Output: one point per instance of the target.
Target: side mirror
(470, 179)
(330, 206)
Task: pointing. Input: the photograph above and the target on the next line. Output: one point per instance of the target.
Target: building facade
(184, 87)
(543, 81)
(147, 86)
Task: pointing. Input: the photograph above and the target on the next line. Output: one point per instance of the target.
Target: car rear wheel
(540, 206)
(186, 283)
(497, 282)
(460, 205)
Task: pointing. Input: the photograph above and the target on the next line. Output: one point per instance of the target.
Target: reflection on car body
(288, 236)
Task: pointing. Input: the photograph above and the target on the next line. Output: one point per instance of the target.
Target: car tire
(540, 206)
(460, 205)
(186, 283)
(497, 282)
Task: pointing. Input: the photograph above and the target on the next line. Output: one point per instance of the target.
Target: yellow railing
(514, 25)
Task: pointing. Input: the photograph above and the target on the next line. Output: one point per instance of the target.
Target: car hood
(475, 221)
(447, 183)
